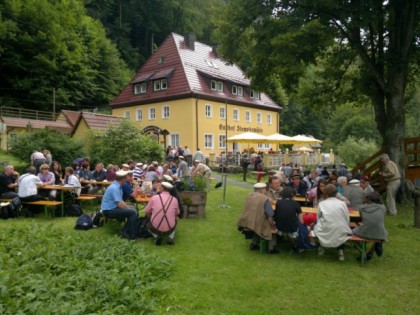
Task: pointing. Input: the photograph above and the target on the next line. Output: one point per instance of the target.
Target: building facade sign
(240, 128)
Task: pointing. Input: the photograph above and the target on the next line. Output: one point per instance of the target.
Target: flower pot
(194, 203)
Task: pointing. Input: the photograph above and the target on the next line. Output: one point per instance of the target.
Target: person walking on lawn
(392, 176)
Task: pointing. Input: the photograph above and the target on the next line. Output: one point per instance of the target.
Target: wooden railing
(27, 113)
(372, 166)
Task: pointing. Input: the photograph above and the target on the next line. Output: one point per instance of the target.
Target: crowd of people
(271, 211)
(157, 180)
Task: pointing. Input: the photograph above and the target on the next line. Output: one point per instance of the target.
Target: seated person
(55, 168)
(71, 180)
(163, 210)
(8, 183)
(257, 217)
(311, 179)
(28, 190)
(317, 194)
(98, 175)
(110, 173)
(332, 226)
(354, 194)
(341, 183)
(174, 193)
(298, 185)
(373, 215)
(129, 194)
(287, 215)
(151, 174)
(274, 189)
(138, 172)
(114, 207)
(47, 178)
(365, 185)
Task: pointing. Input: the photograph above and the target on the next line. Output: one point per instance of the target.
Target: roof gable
(189, 72)
(99, 121)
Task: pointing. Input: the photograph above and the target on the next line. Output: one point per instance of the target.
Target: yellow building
(185, 95)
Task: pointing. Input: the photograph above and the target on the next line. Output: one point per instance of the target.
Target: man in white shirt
(28, 190)
(37, 159)
(72, 180)
(183, 169)
(198, 156)
(186, 151)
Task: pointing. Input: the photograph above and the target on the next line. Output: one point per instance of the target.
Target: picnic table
(142, 200)
(62, 189)
(352, 213)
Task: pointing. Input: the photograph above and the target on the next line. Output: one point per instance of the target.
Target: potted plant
(194, 196)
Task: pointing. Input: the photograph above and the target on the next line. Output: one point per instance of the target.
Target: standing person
(204, 170)
(257, 217)
(183, 169)
(163, 210)
(48, 156)
(245, 163)
(373, 227)
(113, 207)
(332, 227)
(9, 182)
(187, 151)
(258, 167)
(198, 156)
(37, 159)
(392, 176)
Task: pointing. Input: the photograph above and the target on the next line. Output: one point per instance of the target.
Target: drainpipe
(196, 122)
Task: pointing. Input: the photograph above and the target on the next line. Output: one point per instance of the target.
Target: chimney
(214, 50)
(189, 40)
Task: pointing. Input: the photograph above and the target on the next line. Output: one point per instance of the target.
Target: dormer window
(240, 91)
(159, 85)
(161, 60)
(140, 88)
(234, 90)
(216, 85)
(254, 94)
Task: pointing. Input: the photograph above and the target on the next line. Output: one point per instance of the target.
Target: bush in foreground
(46, 271)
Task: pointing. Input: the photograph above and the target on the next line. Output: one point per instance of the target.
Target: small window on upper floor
(234, 90)
(159, 85)
(220, 86)
(140, 88)
(254, 94)
(240, 91)
(216, 85)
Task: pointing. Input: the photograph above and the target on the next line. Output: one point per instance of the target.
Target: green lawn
(210, 270)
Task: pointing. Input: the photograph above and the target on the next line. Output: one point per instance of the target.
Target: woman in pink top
(163, 210)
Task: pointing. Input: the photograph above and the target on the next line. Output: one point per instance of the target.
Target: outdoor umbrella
(280, 139)
(299, 139)
(247, 137)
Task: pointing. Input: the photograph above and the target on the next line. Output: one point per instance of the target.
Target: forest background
(88, 50)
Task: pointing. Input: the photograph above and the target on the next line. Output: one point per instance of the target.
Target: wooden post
(416, 195)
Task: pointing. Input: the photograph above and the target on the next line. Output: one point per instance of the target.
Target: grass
(214, 272)
(11, 159)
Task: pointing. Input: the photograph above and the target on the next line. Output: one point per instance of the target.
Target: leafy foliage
(54, 44)
(354, 151)
(46, 271)
(125, 141)
(62, 147)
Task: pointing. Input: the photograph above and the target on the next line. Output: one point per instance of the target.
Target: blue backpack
(84, 222)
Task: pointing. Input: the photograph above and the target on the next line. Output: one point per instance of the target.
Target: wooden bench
(86, 198)
(46, 204)
(360, 244)
(6, 199)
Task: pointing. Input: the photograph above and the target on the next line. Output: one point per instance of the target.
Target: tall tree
(284, 36)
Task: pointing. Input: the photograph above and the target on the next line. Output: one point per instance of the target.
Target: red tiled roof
(37, 124)
(71, 116)
(191, 76)
(100, 121)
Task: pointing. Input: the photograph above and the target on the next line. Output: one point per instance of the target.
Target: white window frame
(212, 141)
(127, 115)
(219, 86)
(222, 141)
(234, 90)
(240, 91)
(150, 113)
(213, 85)
(259, 118)
(210, 107)
(254, 94)
(156, 85)
(170, 139)
(269, 119)
(222, 109)
(263, 146)
(164, 107)
(163, 84)
(237, 114)
(139, 117)
(140, 88)
(248, 116)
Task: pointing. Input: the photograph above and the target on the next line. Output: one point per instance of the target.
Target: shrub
(62, 147)
(123, 142)
(46, 271)
(353, 151)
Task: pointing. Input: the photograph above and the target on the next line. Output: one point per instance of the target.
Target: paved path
(230, 181)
